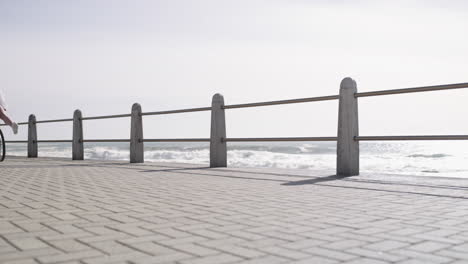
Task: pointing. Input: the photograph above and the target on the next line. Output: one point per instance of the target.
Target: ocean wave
(410, 159)
(107, 153)
(438, 155)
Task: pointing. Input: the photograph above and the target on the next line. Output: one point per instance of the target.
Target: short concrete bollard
(32, 137)
(136, 135)
(348, 129)
(218, 149)
(77, 145)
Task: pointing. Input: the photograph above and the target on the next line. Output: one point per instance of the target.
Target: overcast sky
(102, 56)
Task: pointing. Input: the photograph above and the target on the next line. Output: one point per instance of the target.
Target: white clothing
(2, 100)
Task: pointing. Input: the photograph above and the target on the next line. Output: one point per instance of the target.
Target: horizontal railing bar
(435, 137)
(54, 141)
(176, 140)
(105, 117)
(280, 139)
(16, 141)
(291, 101)
(178, 111)
(106, 140)
(54, 120)
(414, 90)
(19, 124)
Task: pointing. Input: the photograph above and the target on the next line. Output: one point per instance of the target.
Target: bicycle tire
(2, 146)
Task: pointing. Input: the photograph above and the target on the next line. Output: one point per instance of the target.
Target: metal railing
(291, 101)
(415, 89)
(279, 139)
(347, 140)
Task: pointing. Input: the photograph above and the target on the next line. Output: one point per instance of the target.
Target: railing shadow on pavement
(316, 180)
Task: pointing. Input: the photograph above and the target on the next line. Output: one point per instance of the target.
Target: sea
(418, 158)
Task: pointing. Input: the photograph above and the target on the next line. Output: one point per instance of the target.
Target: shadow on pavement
(315, 180)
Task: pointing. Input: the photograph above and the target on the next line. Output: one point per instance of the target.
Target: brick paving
(61, 211)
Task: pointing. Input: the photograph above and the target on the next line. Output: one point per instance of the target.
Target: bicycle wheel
(2, 146)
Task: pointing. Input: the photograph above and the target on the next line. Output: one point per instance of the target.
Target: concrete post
(348, 128)
(136, 135)
(218, 150)
(77, 145)
(32, 137)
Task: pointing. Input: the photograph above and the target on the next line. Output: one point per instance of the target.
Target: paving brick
(344, 244)
(260, 243)
(378, 255)
(196, 250)
(152, 248)
(268, 260)
(22, 261)
(168, 258)
(386, 245)
(462, 247)
(28, 243)
(139, 239)
(453, 254)
(331, 254)
(110, 247)
(117, 258)
(366, 261)
(413, 261)
(241, 251)
(69, 256)
(69, 245)
(8, 228)
(428, 246)
(18, 255)
(422, 256)
(301, 244)
(458, 262)
(174, 233)
(216, 259)
(320, 260)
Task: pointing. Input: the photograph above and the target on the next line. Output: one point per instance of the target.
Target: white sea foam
(412, 158)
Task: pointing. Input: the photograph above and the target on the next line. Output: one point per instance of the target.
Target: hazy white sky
(102, 56)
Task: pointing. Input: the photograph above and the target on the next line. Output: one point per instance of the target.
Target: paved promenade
(59, 211)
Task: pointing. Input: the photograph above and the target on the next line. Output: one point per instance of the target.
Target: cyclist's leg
(4, 116)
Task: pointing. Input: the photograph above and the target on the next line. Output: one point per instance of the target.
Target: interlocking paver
(387, 245)
(122, 258)
(28, 243)
(29, 254)
(69, 256)
(241, 251)
(21, 261)
(461, 247)
(366, 261)
(344, 244)
(331, 254)
(301, 244)
(216, 259)
(428, 246)
(378, 255)
(196, 250)
(316, 259)
(268, 260)
(93, 212)
(427, 257)
(68, 245)
(167, 258)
